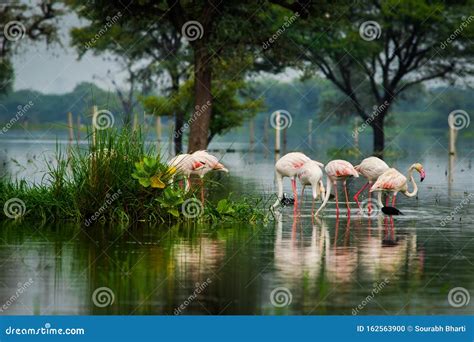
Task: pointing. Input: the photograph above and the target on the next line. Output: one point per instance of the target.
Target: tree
(387, 47)
(20, 20)
(233, 105)
(213, 30)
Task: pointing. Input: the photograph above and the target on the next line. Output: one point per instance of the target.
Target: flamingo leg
(302, 195)
(295, 195)
(202, 191)
(335, 193)
(394, 198)
(356, 196)
(387, 199)
(369, 204)
(347, 199)
(312, 207)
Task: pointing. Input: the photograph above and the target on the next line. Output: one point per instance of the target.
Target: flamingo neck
(279, 180)
(412, 180)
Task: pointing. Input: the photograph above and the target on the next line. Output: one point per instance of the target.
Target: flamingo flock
(296, 165)
(380, 178)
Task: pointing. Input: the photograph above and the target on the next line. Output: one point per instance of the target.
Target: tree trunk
(178, 119)
(201, 117)
(379, 137)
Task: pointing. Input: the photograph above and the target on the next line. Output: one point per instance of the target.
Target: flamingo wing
(390, 180)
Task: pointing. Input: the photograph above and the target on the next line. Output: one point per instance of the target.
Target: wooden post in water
(170, 141)
(252, 134)
(277, 136)
(355, 133)
(135, 122)
(284, 139)
(78, 127)
(158, 132)
(310, 132)
(70, 127)
(94, 122)
(452, 149)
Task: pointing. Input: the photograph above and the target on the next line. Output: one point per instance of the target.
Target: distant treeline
(311, 99)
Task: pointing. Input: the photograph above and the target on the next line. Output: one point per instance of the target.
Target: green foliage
(171, 201)
(152, 172)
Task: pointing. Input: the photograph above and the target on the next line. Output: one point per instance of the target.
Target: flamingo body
(338, 170)
(371, 168)
(311, 174)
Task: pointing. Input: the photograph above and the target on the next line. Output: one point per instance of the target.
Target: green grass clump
(116, 179)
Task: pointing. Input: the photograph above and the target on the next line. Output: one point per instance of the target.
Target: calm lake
(292, 265)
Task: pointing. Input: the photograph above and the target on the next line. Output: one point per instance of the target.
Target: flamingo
(338, 170)
(288, 166)
(393, 181)
(371, 168)
(185, 164)
(211, 163)
(311, 174)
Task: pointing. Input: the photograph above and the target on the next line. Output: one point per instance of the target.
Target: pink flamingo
(211, 163)
(393, 181)
(185, 164)
(371, 168)
(311, 174)
(288, 166)
(199, 163)
(338, 170)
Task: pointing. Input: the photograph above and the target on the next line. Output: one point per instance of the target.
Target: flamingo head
(418, 167)
(220, 167)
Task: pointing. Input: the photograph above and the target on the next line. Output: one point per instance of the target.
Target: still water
(292, 265)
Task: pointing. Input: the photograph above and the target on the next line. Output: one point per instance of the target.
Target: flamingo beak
(422, 175)
(220, 167)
